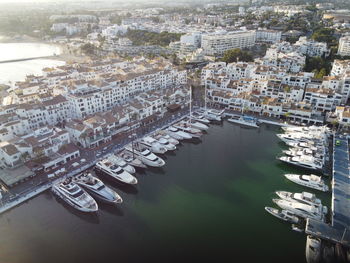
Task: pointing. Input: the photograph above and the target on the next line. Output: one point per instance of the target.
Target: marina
(196, 190)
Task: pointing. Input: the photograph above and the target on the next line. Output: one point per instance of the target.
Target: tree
(237, 54)
(321, 73)
(324, 35)
(88, 49)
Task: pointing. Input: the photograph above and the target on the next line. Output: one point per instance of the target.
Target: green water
(205, 205)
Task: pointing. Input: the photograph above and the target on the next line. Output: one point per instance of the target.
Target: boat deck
(338, 230)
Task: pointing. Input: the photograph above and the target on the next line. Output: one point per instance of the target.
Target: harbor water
(205, 205)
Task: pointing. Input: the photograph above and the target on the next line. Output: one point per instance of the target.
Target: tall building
(216, 44)
(344, 46)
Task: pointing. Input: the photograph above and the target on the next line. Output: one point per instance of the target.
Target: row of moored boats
(308, 150)
(81, 191)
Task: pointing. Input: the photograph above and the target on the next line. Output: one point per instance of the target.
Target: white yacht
(306, 129)
(200, 118)
(131, 159)
(197, 125)
(97, 188)
(145, 155)
(245, 121)
(115, 172)
(122, 163)
(183, 126)
(299, 209)
(212, 116)
(317, 154)
(285, 215)
(166, 144)
(72, 194)
(298, 137)
(311, 181)
(303, 161)
(162, 134)
(313, 250)
(177, 133)
(304, 197)
(153, 145)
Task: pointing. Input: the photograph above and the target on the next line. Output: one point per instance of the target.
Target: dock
(338, 229)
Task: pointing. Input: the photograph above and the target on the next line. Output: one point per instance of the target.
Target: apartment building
(344, 46)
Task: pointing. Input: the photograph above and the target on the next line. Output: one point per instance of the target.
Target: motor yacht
(177, 133)
(197, 125)
(131, 159)
(183, 126)
(306, 129)
(307, 162)
(122, 163)
(245, 121)
(145, 155)
(74, 195)
(200, 118)
(305, 151)
(115, 172)
(161, 134)
(299, 209)
(304, 197)
(311, 181)
(298, 137)
(153, 145)
(284, 215)
(97, 188)
(166, 144)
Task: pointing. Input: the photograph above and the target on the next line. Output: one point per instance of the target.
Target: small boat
(311, 181)
(299, 209)
(97, 188)
(74, 195)
(177, 133)
(313, 251)
(284, 215)
(115, 172)
(131, 159)
(245, 121)
(145, 155)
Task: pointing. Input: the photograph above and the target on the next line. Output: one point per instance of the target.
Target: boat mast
(205, 97)
(190, 103)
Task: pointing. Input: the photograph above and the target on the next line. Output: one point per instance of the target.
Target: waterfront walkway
(338, 230)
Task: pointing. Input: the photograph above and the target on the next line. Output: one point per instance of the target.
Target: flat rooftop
(11, 177)
(338, 230)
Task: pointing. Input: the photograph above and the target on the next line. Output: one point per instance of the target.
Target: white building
(216, 44)
(312, 48)
(268, 36)
(344, 46)
(193, 39)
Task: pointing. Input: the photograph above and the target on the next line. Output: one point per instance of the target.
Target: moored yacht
(307, 162)
(200, 118)
(304, 197)
(245, 121)
(131, 159)
(177, 133)
(284, 215)
(115, 172)
(166, 144)
(197, 125)
(153, 145)
(299, 209)
(97, 188)
(122, 163)
(74, 195)
(311, 181)
(145, 155)
(162, 134)
(183, 126)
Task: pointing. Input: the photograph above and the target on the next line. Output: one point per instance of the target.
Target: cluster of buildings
(84, 104)
(275, 91)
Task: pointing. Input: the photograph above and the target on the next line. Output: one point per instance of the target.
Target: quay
(261, 120)
(338, 230)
